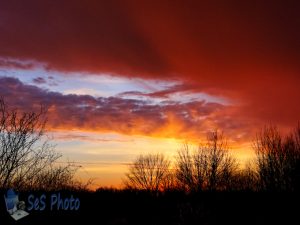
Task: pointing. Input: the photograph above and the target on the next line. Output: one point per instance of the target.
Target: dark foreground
(128, 207)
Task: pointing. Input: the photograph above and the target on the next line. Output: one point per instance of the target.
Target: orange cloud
(189, 120)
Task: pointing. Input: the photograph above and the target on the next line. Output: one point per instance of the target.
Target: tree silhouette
(27, 159)
(210, 167)
(278, 159)
(149, 172)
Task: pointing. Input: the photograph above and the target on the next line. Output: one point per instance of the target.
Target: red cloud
(84, 36)
(248, 51)
(194, 39)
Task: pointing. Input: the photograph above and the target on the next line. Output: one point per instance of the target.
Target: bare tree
(293, 144)
(210, 167)
(27, 159)
(185, 170)
(57, 177)
(148, 172)
(278, 159)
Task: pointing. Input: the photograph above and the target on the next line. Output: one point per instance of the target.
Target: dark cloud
(113, 114)
(39, 80)
(166, 92)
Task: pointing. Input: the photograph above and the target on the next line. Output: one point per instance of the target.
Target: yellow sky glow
(104, 157)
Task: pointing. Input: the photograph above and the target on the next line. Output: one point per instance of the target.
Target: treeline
(211, 167)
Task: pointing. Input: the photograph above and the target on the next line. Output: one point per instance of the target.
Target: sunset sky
(121, 78)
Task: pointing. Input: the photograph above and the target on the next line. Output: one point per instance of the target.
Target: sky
(123, 78)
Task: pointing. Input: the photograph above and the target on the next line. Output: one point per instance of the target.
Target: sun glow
(104, 157)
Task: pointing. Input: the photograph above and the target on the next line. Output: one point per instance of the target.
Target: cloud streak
(15, 64)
